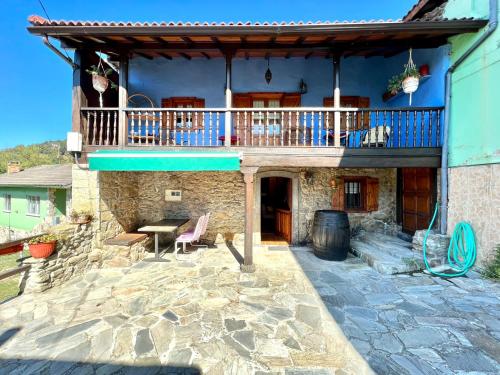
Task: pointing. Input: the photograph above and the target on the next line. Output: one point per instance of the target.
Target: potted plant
(82, 217)
(393, 87)
(42, 246)
(100, 80)
(411, 77)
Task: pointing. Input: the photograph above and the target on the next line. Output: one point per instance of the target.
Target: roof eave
(445, 26)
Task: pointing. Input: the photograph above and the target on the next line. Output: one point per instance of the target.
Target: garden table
(162, 226)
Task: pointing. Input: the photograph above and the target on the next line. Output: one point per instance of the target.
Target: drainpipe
(491, 27)
(46, 41)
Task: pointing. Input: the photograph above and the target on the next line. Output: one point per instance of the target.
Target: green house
(31, 197)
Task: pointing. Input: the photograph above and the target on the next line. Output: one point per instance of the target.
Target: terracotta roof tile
(36, 20)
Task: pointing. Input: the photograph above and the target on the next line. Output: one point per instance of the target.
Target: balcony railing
(407, 127)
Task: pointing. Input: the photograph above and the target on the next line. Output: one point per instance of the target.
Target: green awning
(188, 161)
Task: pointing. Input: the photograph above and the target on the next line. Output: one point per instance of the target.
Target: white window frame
(33, 199)
(7, 198)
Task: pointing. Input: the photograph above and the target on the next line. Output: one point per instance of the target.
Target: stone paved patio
(178, 318)
(416, 324)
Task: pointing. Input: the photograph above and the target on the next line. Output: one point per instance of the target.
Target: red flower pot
(42, 250)
(12, 249)
(424, 70)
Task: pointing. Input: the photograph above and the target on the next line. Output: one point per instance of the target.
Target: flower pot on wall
(42, 250)
(410, 85)
(423, 70)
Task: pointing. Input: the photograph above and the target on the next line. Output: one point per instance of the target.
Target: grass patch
(8, 287)
(492, 270)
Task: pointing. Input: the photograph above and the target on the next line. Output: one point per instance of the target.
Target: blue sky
(35, 94)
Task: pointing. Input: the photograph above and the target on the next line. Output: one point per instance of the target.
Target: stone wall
(71, 258)
(220, 193)
(128, 200)
(474, 196)
(317, 195)
(118, 199)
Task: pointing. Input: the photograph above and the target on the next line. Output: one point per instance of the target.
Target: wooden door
(418, 192)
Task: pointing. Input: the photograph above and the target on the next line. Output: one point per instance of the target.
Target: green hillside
(50, 152)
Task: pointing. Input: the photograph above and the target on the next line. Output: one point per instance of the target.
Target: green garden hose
(462, 250)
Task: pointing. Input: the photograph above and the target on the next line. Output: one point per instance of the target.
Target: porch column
(229, 101)
(249, 177)
(79, 99)
(122, 101)
(336, 99)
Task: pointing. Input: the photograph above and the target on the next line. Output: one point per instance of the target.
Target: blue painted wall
(160, 78)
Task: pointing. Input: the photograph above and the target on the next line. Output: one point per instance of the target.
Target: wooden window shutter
(290, 100)
(372, 188)
(338, 196)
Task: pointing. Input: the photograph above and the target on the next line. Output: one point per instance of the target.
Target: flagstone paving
(178, 318)
(411, 324)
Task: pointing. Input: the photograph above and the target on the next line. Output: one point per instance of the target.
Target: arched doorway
(276, 207)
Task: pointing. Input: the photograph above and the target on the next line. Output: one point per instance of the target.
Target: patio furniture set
(171, 227)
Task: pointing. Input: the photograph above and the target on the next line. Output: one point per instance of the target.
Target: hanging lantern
(268, 76)
(302, 87)
(412, 77)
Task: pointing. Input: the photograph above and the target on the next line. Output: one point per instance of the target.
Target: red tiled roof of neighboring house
(426, 10)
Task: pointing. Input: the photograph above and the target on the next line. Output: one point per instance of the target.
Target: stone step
(386, 254)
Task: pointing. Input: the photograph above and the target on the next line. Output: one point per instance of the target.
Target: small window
(353, 195)
(33, 205)
(7, 203)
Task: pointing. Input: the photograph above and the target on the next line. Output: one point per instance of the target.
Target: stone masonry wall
(130, 199)
(72, 257)
(220, 193)
(474, 196)
(118, 198)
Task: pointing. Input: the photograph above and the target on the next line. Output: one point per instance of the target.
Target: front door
(276, 210)
(418, 195)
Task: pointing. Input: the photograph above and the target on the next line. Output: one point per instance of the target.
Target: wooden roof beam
(163, 54)
(146, 56)
(185, 55)
(309, 54)
(206, 55)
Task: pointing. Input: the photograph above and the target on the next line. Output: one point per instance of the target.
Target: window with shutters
(184, 119)
(355, 194)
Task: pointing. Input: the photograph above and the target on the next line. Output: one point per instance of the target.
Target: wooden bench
(126, 239)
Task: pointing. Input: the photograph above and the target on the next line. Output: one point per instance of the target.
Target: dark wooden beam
(165, 55)
(206, 55)
(299, 40)
(309, 54)
(185, 55)
(287, 56)
(146, 56)
(247, 56)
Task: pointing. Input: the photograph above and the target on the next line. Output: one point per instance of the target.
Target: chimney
(13, 167)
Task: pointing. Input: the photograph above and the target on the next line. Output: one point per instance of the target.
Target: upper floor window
(7, 203)
(33, 205)
(186, 120)
(271, 119)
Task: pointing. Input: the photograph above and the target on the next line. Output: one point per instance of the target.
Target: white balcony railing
(264, 127)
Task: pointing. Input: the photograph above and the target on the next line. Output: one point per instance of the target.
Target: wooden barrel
(331, 234)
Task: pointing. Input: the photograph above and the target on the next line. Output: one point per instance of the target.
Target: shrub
(492, 270)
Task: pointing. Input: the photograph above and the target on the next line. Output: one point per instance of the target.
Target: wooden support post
(229, 101)
(79, 99)
(249, 177)
(123, 101)
(336, 99)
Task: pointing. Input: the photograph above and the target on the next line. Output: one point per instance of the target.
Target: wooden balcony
(316, 135)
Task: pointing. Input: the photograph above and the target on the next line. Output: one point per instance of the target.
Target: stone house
(260, 124)
(33, 198)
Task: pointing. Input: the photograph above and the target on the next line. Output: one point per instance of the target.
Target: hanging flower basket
(410, 84)
(100, 83)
